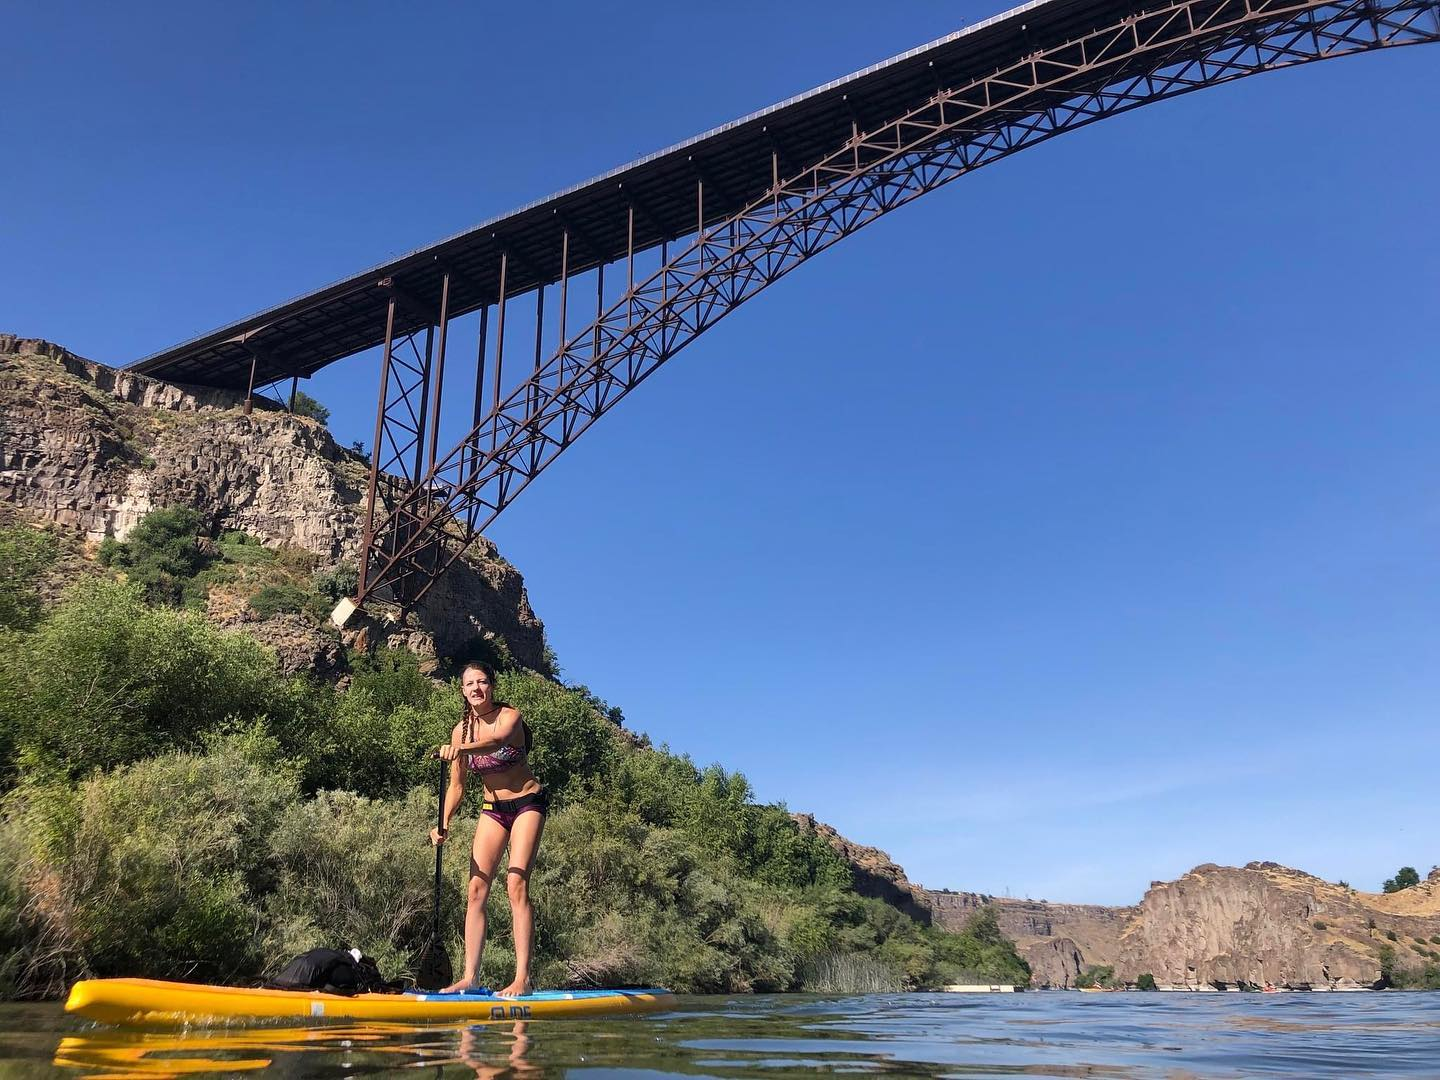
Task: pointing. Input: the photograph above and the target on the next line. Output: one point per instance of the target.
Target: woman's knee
(518, 886)
(479, 890)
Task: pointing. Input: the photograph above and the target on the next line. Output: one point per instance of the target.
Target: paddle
(434, 970)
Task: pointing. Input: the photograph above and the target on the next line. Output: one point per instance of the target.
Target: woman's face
(475, 685)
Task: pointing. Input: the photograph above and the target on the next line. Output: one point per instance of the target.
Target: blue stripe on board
(539, 995)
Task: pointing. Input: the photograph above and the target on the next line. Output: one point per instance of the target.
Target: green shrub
(305, 405)
(25, 554)
(278, 599)
(715, 808)
(358, 872)
(155, 868)
(981, 952)
(392, 677)
(1404, 878)
(161, 555)
(1386, 955)
(622, 903)
(106, 680)
(1426, 977)
(361, 747)
(1096, 975)
(18, 936)
(245, 550)
(1146, 981)
(1391, 935)
(337, 583)
(1319, 925)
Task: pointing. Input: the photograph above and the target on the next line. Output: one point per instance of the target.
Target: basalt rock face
(94, 449)
(1217, 926)
(1090, 931)
(1265, 923)
(873, 872)
(1055, 963)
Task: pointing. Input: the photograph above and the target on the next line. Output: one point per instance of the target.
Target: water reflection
(475, 1053)
(916, 1035)
(491, 1052)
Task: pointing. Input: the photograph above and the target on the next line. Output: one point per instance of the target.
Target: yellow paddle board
(152, 1001)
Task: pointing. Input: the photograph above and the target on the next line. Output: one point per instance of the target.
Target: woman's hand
(449, 752)
(437, 837)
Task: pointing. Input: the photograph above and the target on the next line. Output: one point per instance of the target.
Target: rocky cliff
(1220, 925)
(1058, 941)
(1217, 925)
(1266, 923)
(93, 449)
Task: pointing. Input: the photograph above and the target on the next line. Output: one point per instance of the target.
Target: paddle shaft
(439, 849)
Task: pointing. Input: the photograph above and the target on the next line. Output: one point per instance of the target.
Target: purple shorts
(505, 811)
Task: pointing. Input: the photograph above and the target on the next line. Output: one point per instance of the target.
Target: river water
(897, 1035)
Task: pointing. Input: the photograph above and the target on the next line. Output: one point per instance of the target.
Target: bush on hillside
(715, 808)
(1404, 878)
(154, 868)
(305, 405)
(363, 748)
(278, 599)
(1096, 975)
(623, 903)
(107, 679)
(161, 555)
(358, 871)
(335, 584)
(25, 554)
(243, 549)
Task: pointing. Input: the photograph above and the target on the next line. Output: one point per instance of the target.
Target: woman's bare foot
(518, 988)
(464, 986)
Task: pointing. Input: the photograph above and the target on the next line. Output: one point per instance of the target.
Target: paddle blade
(433, 972)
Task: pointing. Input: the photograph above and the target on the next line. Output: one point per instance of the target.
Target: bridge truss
(672, 281)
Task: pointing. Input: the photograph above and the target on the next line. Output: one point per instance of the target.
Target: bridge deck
(305, 334)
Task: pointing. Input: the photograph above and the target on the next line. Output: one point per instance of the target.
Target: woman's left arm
(507, 726)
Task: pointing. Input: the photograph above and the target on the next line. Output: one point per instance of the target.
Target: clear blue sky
(1073, 526)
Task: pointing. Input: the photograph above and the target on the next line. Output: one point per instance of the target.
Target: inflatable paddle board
(152, 1001)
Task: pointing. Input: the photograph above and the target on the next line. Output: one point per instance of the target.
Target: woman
(492, 740)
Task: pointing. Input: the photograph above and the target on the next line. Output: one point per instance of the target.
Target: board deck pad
(154, 1001)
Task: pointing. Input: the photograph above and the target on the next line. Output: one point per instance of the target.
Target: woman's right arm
(454, 793)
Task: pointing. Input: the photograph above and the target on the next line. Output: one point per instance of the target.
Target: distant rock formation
(1215, 926)
(94, 449)
(1055, 963)
(1266, 923)
(1053, 938)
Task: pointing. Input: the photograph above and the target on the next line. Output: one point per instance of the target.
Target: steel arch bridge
(689, 234)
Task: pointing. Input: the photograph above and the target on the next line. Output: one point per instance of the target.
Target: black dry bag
(333, 971)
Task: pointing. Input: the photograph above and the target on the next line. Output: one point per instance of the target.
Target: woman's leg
(490, 838)
(524, 843)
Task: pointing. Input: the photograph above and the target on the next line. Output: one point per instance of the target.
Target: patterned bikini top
(502, 757)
